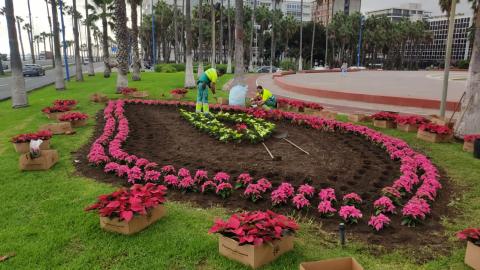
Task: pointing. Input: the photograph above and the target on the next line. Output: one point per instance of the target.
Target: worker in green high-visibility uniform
(207, 79)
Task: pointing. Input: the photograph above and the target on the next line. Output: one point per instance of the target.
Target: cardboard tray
(472, 256)
(58, 128)
(468, 147)
(358, 117)
(79, 123)
(407, 128)
(332, 264)
(384, 124)
(47, 159)
(433, 137)
(23, 148)
(254, 256)
(138, 223)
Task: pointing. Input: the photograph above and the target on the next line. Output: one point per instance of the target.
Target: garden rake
(283, 135)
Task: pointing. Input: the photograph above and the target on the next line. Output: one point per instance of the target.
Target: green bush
(463, 64)
(179, 67)
(165, 68)
(158, 68)
(287, 65)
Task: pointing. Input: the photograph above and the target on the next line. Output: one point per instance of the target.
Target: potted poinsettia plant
(128, 91)
(76, 119)
(410, 123)
(178, 93)
(66, 102)
(128, 211)
(21, 142)
(384, 119)
(468, 141)
(255, 238)
(472, 255)
(55, 111)
(434, 133)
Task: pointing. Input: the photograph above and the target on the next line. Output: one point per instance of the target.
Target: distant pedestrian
(344, 69)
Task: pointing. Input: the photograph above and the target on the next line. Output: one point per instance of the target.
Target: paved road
(32, 83)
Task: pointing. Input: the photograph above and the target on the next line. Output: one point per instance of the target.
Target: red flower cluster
(470, 234)
(65, 102)
(56, 108)
(411, 120)
(437, 129)
(73, 116)
(255, 227)
(299, 104)
(471, 138)
(25, 138)
(125, 203)
(388, 116)
(179, 91)
(128, 90)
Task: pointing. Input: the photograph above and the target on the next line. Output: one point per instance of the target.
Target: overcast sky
(40, 19)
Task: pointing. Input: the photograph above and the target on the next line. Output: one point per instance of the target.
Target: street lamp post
(360, 41)
(448, 56)
(67, 71)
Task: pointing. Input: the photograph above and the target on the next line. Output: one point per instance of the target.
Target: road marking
(3, 85)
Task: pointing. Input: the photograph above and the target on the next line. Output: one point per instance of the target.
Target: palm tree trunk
(20, 37)
(59, 79)
(229, 28)
(469, 121)
(51, 34)
(91, 70)
(200, 39)
(136, 56)
(175, 30)
(106, 54)
(189, 78)
(32, 50)
(313, 44)
(213, 37)
(122, 37)
(239, 38)
(19, 94)
(272, 38)
(220, 43)
(45, 46)
(300, 60)
(250, 65)
(78, 60)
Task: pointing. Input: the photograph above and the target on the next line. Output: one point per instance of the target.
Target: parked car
(266, 69)
(5, 66)
(33, 70)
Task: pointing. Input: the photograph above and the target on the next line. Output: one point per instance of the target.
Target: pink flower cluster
(379, 222)
(350, 214)
(282, 193)
(256, 191)
(352, 199)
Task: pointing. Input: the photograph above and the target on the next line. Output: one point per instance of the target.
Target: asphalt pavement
(32, 83)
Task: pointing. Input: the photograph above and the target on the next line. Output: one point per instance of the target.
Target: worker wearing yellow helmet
(207, 79)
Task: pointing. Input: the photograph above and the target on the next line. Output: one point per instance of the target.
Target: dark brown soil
(345, 162)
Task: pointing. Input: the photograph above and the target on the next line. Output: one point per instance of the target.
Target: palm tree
(239, 39)
(189, 79)
(27, 27)
(250, 65)
(175, 30)
(300, 61)
(78, 60)
(32, 51)
(51, 32)
(44, 36)
(200, 38)
(19, 21)
(272, 36)
(19, 94)
(289, 26)
(136, 58)
(122, 37)
(229, 28)
(37, 39)
(59, 79)
(105, 14)
(469, 120)
(213, 35)
(88, 24)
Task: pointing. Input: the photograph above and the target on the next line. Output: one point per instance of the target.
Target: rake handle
(270, 153)
(298, 147)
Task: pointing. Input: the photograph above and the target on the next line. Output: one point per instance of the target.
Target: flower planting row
(418, 183)
(297, 105)
(247, 127)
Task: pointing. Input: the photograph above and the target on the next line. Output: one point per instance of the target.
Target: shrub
(165, 68)
(179, 67)
(287, 65)
(463, 64)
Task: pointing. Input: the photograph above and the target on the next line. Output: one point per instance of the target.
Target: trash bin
(476, 148)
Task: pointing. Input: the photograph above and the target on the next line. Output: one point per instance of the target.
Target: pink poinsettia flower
(221, 177)
(326, 209)
(379, 222)
(350, 214)
(300, 201)
(327, 194)
(306, 190)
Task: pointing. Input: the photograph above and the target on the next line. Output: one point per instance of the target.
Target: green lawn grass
(43, 221)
